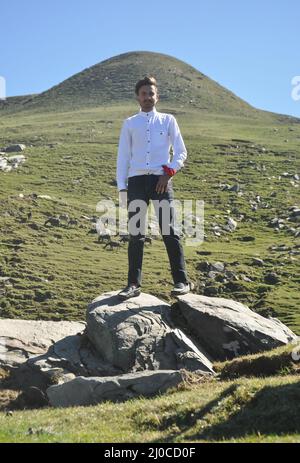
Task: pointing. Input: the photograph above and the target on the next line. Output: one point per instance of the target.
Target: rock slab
(93, 390)
(226, 328)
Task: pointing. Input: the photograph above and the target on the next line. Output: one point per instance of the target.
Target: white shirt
(144, 145)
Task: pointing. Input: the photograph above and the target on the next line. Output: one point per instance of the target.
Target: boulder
(226, 328)
(121, 337)
(15, 148)
(92, 390)
(23, 339)
(138, 334)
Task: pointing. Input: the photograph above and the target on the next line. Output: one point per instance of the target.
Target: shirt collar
(149, 113)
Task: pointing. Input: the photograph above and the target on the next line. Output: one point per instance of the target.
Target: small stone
(271, 278)
(15, 148)
(217, 266)
(258, 262)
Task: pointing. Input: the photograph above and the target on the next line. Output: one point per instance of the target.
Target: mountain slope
(112, 81)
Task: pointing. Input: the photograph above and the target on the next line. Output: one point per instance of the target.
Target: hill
(112, 81)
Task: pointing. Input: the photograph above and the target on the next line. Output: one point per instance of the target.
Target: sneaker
(131, 290)
(182, 288)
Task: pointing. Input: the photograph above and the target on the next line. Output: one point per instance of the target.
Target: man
(144, 171)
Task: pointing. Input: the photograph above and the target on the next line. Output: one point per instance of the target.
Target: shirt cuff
(169, 170)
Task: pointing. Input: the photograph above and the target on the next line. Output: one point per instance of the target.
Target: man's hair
(147, 80)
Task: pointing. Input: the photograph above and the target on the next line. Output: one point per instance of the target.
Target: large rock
(226, 328)
(138, 334)
(121, 337)
(135, 337)
(92, 390)
(23, 339)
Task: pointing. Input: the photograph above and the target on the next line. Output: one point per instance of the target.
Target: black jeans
(142, 187)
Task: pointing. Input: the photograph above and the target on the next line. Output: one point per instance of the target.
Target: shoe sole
(124, 298)
(179, 293)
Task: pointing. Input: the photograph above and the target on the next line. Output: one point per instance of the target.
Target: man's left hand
(162, 183)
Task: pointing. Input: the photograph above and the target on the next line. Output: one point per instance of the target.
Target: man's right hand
(123, 198)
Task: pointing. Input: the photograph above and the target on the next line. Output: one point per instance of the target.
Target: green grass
(242, 410)
(279, 361)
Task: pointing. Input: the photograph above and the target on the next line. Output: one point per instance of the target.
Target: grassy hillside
(13, 103)
(55, 271)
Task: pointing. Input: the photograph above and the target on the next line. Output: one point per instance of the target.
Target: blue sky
(252, 48)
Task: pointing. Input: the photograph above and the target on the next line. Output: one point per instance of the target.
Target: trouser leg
(165, 213)
(137, 203)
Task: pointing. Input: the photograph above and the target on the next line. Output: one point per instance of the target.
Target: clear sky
(250, 47)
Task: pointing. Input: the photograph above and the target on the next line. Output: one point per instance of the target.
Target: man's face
(147, 97)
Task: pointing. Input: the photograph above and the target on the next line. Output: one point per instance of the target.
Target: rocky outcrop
(226, 328)
(7, 163)
(137, 347)
(124, 349)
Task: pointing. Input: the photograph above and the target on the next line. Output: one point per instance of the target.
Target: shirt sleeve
(123, 158)
(179, 149)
